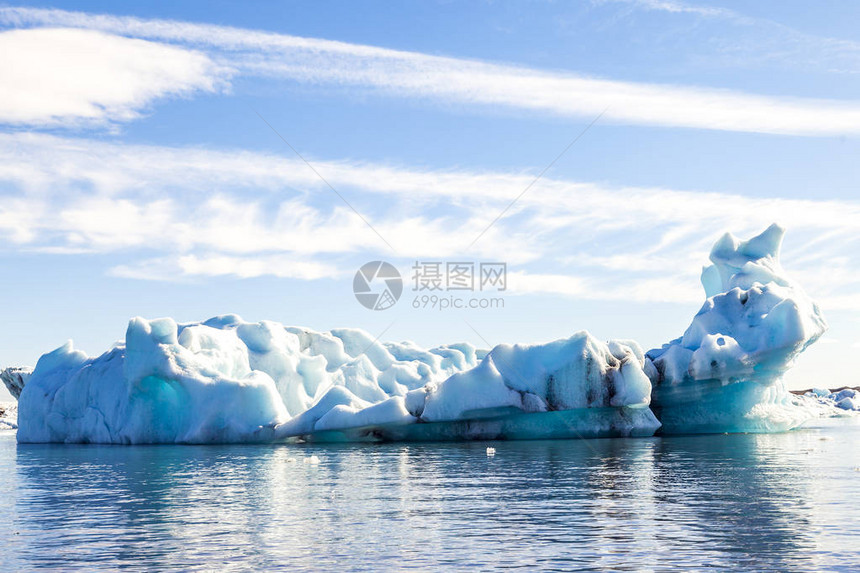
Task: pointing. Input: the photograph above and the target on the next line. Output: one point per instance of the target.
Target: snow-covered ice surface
(226, 380)
(725, 372)
(839, 403)
(223, 380)
(8, 415)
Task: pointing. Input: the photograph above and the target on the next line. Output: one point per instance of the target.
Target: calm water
(747, 502)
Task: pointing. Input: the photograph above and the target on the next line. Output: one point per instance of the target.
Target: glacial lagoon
(784, 501)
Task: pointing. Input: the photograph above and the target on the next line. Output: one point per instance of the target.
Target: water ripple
(746, 502)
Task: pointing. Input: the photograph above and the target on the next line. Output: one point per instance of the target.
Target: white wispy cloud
(178, 267)
(743, 40)
(470, 82)
(177, 213)
(76, 76)
(673, 6)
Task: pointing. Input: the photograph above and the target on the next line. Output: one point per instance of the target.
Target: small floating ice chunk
(491, 452)
(312, 461)
(846, 393)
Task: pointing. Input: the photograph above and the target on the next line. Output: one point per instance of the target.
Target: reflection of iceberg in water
(751, 498)
(225, 380)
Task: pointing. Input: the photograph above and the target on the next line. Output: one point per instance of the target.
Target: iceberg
(578, 387)
(8, 416)
(14, 380)
(725, 373)
(227, 380)
(842, 400)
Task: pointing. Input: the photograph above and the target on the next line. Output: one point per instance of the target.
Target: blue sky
(138, 177)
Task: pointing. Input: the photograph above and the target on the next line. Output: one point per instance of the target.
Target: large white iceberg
(725, 373)
(226, 380)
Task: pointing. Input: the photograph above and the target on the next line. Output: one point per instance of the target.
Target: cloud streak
(178, 213)
(750, 41)
(472, 83)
